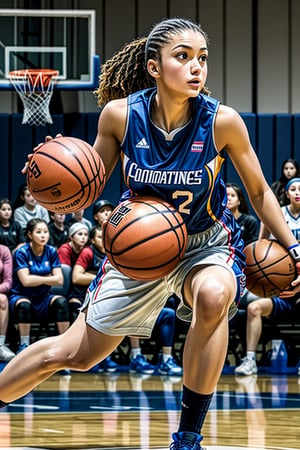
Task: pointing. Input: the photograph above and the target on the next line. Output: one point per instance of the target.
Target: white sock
(251, 355)
(2, 339)
(25, 340)
(165, 357)
(135, 351)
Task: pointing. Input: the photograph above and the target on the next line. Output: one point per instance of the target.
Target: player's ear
(153, 68)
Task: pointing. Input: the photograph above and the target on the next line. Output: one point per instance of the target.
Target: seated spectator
(289, 169)
(283, 308)
(36, 267)
(30, 209)
(237, 204)
(6, 271)
(85, 270)
(78, 238)
(78, 217)
(11, 232)
(102, 210)
(58, 229)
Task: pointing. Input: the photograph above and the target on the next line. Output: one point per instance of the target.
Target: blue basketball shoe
(186, 441)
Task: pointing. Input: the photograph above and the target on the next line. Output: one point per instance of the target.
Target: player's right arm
(111, 129)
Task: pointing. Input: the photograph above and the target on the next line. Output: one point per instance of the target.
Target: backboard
(63, 40)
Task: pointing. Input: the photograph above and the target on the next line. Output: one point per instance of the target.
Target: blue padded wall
(275, 137)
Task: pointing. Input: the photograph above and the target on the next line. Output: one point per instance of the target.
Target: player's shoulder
(115, 108)
(228, 119)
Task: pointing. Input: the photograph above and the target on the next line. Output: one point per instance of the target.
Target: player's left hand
(295, 285)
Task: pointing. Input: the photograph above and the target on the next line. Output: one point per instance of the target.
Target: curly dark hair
(126, 71)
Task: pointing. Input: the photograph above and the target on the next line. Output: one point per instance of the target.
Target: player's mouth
(195, 83)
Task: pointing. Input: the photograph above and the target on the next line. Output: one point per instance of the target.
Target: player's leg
(79, 348)
(211, 292)
(256, 310)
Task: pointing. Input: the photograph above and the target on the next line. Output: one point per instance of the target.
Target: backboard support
(63, 40)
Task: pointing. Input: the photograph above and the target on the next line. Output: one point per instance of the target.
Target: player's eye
(182, 55)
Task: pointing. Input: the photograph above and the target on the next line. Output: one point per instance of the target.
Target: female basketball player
(172, 140)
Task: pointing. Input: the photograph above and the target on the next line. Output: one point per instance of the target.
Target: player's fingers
(25, 168)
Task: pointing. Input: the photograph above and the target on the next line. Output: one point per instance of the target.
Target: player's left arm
(231, 134)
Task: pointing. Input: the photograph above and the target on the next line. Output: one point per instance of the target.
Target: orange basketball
(66, 174)
(269, 268)
(144, 238)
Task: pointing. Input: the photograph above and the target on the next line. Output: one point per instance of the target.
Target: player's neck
(169, 116)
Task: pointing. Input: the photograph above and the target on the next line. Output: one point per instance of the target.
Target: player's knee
(213, 299)
(254, 309)
(57, 354)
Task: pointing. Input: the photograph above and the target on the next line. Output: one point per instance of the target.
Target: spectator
(30, 209)
(85, 270)
(36, 267)
(78, 238)
(78, 217)
(237, 204)
(290, 169)
(11, 232)
(58, 229)
(102, 210)
(6, 270)
(285, 308)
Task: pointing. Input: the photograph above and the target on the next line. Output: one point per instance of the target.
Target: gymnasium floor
(125, 411)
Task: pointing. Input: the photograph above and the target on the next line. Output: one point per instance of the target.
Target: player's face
(293, 194)
(289, 170)
(233, 201)
(40, 234)
(5, 212)
(183, 68)
(80, 238)
(97, 241)
(103, 214)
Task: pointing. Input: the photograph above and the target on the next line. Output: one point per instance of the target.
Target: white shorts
(117, 305)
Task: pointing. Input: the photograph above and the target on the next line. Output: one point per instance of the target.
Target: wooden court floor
(125, 411)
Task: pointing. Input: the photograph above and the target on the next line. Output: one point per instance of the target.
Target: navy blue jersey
(182, 168)
(37, 265)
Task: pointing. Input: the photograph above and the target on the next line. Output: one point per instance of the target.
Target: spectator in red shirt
(78, 238)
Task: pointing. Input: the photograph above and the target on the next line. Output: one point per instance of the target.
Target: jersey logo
(197, 146)
(142, 144)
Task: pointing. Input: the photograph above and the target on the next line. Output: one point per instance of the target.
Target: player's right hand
(29, 156)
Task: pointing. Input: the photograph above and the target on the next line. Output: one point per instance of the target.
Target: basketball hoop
(35, 88)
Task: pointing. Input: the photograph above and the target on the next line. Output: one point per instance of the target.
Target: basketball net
(35, 88)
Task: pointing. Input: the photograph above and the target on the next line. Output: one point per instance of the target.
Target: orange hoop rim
(24, 72)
